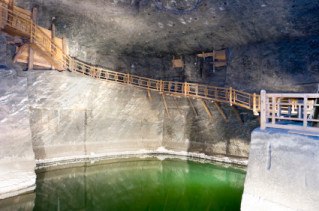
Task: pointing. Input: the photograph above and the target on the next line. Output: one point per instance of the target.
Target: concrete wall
(283, 172)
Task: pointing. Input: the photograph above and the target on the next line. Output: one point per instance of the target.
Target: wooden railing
(289, 111)
(16, 21)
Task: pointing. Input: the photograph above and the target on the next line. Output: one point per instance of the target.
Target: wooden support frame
(208, 111)
(178, 63)
(53, 33)
(19, 51)
(193, 107)
(65, 46)
(237, 114)
(34, 15)
(149, 96)
(165, 105)
(221, 111)
(176, 104)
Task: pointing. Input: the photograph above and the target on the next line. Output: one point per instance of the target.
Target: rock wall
(17, 162)
(76, 116)
(282, 172)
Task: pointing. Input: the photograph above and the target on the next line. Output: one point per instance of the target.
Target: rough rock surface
(273, 44)
(282, 172)
(17, 162)
(73, 115)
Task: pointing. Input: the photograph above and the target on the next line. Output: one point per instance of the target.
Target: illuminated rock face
(73, 116)
(282, 172)
(17, 162)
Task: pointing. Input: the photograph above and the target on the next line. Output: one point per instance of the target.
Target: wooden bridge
(19, 22)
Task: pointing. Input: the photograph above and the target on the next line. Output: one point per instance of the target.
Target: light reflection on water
(139, 184)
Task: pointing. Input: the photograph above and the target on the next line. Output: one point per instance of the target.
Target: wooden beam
(11, 4)
(206, 108)
(165, 105)
(19, 52)
(53, 32)
(204, 55)
(193, 107)
(237, 114)
(47, 56)
(221, 111)
(65, 46)
(34, 14)
(149, 96)
(177, 106)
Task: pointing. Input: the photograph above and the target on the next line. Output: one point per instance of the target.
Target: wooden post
(65, 46)
(230, 96)
(263, 110)
(11, 4)
(31, 52)
(255, 104)
(305, 104)
(53, 29)
(185, 88)
(128, 78)
(273, 114)
(206, 108)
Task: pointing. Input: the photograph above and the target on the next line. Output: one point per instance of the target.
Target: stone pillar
(283, 172)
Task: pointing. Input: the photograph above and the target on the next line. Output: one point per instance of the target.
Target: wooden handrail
(277, 109)
(17, 20)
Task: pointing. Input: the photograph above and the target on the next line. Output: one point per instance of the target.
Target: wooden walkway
(286, 111)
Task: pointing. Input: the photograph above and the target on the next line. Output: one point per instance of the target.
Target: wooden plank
(178, 63)
(193, 107)
(165, 105)
(221, 111)
(204, 55)
(206, 108)
(220, 55)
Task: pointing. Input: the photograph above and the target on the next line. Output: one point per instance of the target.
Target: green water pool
(141, 184)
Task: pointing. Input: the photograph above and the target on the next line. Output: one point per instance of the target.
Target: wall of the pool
(49, 117)
(283, 171)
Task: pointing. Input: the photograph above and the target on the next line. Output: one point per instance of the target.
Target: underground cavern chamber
(93, 80)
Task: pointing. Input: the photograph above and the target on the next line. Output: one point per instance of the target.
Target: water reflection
(141, 184)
